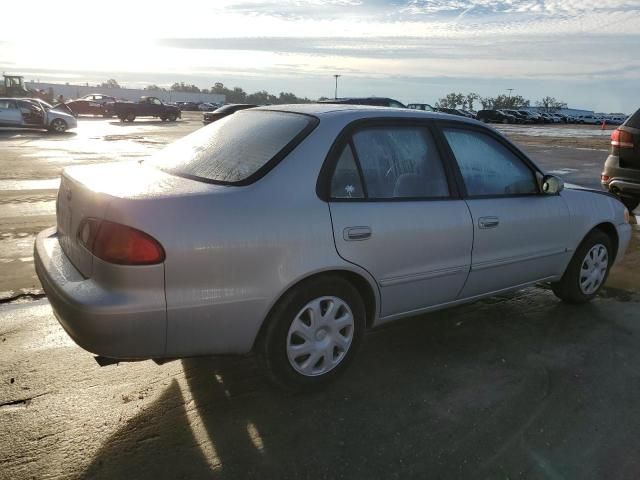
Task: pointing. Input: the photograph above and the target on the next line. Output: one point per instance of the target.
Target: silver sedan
(34, 113)
(290, 230)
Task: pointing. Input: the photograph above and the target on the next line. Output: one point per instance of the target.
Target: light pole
(336, 92)
(510, 90)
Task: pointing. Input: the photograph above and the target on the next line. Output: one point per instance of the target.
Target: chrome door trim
(520, 258)
(444, 272)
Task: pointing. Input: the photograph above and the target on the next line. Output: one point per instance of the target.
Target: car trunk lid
(112, 192)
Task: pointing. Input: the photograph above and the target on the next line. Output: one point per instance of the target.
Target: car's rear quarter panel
(231, 256)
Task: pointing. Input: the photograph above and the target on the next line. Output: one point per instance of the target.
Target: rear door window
(236, 148)
(400, 162)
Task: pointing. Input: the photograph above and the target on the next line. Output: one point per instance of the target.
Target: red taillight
(119, 244)
(604, 178)
(620, 138)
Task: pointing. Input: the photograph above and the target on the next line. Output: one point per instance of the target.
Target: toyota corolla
(290, 230)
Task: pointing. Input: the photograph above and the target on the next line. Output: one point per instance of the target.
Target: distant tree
(509, 101)
(470, 98)
(183, 87)
(451, 100)
(550, 104)
(153, 88)
(111, 83)
(322, 99)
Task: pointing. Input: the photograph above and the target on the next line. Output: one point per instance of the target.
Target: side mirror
(552, 185)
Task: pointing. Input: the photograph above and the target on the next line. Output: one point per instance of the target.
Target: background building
(76, 91)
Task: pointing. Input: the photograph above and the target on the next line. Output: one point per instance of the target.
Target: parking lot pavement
(519, 386)
(514, 386)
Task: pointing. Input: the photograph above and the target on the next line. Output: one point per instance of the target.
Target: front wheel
(172, 117)
(587, 270)
(58, 126)
(130, 117)
(313, 333)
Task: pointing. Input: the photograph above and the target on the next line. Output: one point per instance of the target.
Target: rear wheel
(587, 270)
(130, 117)
(58, 126)
(313, 333)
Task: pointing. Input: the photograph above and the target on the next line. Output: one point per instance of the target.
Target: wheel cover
(593, 269)
(58, 125)
(320, 336)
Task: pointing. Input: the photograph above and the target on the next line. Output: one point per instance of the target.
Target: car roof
(354, 112)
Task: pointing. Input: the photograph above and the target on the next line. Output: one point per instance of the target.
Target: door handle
(356, 233)
(488, 222)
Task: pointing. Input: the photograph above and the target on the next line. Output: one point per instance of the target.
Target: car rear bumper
(622, 181)
(123, 324)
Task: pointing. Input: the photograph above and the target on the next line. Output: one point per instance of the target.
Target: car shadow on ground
(511, 385)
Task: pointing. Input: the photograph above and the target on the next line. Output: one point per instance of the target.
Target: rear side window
(235, 148)
(345, 182)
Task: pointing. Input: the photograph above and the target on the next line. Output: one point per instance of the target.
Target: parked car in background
(188, 106)
(225, 110)
(588, 120)
(621, 173)
(495, 116)
(92, 104)
(520, 118)
(371, 101)
(548, 118)
(194, 256)
(146, 107)
(34, 114)
(207, 107)
(421, 106)
(452, 111)
(533, 117)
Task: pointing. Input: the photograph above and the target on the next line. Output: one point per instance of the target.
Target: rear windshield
(236, 149)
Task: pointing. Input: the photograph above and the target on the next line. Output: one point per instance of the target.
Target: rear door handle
(488, 222)
(356, 233)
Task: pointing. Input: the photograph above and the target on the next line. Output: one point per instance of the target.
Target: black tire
(172, 117)
(273, 342)
(58, 126)
(130, 116)
(568, 288)
(163, 118)
(630, 202)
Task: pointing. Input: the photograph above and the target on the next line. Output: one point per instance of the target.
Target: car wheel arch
(610, 230)
(366, 287)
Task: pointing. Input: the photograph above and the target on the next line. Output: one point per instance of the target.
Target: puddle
(28, 209)
(48, 184)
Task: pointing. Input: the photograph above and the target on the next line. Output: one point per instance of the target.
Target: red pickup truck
(145, 107)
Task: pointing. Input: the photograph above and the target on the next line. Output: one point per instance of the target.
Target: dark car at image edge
(208, 117)
(621, 173)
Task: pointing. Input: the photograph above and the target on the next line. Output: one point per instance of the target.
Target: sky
(583, 52)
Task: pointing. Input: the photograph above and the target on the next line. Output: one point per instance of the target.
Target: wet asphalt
(516, 386)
